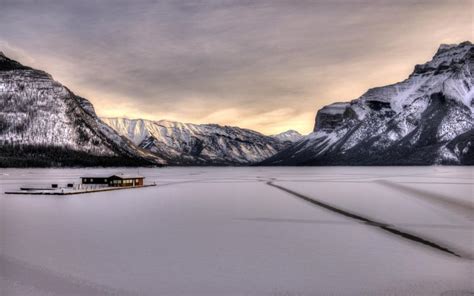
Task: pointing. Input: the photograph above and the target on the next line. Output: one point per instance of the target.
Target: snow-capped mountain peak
(197, 144)
(425, 119)
(288, 136)
(450, 72)
(448, 54)
(43, 123)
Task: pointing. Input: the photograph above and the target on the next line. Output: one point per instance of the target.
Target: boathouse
(114, 180)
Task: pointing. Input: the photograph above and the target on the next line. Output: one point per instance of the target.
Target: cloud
(228, 61)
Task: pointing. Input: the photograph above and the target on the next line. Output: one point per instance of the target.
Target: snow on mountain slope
(425, 119)
(42, 123)
(197, 144)
(288, 136)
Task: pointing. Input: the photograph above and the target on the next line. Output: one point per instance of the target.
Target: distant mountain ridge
(423, 120)
(43, 123)
(199, 144)
(426, 119)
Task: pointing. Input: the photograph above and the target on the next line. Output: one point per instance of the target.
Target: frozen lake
(243, 231)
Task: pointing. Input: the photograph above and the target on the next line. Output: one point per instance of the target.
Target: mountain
(197, 144)
(43, 123)
(288, 136)
(426, 119)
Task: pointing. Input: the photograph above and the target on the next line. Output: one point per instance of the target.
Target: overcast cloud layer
(265, 65)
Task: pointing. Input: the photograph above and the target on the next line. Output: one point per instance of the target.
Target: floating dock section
(71, 191)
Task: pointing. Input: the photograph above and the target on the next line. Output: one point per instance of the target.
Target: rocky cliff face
(331, 116)
(198, 144)
(425, 119)
(42, 123)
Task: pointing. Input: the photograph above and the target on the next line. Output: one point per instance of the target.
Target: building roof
(121, 176)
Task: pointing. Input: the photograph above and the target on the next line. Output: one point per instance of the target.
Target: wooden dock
(68, 191)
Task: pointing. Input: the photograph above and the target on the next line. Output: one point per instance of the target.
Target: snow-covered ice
(243, 231)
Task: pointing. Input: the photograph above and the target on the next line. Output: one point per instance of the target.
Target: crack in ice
(383, 226)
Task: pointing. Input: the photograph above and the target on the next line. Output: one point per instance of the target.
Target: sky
(264, 65)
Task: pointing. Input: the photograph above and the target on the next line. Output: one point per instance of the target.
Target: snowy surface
(226, 231)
